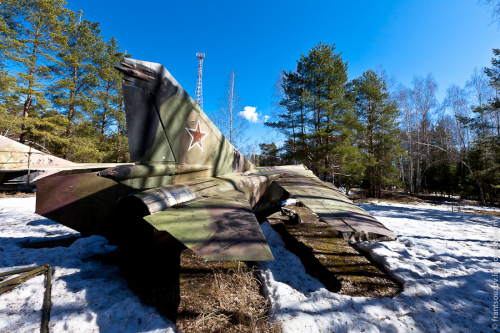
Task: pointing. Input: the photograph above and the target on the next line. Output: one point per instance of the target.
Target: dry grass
(249, 307)
(16, 194)
(228, 299)
(483, 212)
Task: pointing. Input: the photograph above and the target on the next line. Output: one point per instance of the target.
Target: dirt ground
(358, 196)
(16, 194)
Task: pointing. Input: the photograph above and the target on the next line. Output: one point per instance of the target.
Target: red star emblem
(197, 136)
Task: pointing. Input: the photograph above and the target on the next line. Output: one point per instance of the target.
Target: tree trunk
(71, 110)
(27, 103)
(103, 124)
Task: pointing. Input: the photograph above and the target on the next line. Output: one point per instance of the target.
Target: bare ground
(358, 196)
(221, 297)
(16, 194)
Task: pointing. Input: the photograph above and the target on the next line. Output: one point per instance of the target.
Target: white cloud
(250, 113)
(266, 118)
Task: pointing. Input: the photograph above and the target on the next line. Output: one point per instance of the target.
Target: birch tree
(227, 119)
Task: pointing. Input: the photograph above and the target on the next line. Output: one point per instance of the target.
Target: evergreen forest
(58, 89)
(375, 134)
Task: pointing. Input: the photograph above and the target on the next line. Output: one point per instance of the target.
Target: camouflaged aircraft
(188, 182)
(22, 166)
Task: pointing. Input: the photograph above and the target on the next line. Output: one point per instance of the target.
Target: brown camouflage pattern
(174, 143)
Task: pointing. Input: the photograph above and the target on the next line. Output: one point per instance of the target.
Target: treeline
(341, 129)
(368, 132)
(58, 87)
(452, 147)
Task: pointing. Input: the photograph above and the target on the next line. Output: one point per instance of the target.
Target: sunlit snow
(445, 259)
(86, 295)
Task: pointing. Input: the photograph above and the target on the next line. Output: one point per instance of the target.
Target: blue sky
(260, 38)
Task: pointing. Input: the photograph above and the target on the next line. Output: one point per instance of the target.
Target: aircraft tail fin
(165, 125)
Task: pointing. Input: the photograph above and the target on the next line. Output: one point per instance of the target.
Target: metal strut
(29, 273)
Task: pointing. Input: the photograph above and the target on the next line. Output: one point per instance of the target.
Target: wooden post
(29, 158)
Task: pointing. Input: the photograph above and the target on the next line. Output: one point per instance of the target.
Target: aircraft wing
(13, 176)
(220, 227)
(334, 208)
(16, 157)
(75, 166)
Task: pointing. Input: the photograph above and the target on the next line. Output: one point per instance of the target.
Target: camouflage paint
(334, 208)
(14, 166)
(83, 202)
(176, 148)
(152, 92)
(221, 227)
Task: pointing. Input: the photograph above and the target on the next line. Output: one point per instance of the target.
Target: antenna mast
(198, 96)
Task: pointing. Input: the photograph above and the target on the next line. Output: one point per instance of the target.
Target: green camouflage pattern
(235, 234)
(188, 182)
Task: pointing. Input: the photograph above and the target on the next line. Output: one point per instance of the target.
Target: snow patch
(289, 202)
(344, 190)
(86, 295)
(444, 259)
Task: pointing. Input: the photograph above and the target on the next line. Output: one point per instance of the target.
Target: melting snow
(445, 260)
(86, 296)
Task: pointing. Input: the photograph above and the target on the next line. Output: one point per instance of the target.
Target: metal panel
(334, 208)
(162, 198)
(83, 202)
(222, 227)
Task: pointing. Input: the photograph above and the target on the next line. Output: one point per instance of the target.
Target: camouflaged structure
(188, 182)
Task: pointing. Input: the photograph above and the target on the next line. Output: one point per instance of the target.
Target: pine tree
(9, 28)
(75, 68)
(324, 75)
(108, 116)
(492, 109)
(317, 114)
(381, 136)
(269, 154)
(288, 117)
(119, 138)
(36, 43)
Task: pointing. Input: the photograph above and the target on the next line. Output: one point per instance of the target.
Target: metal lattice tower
(198, 96)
